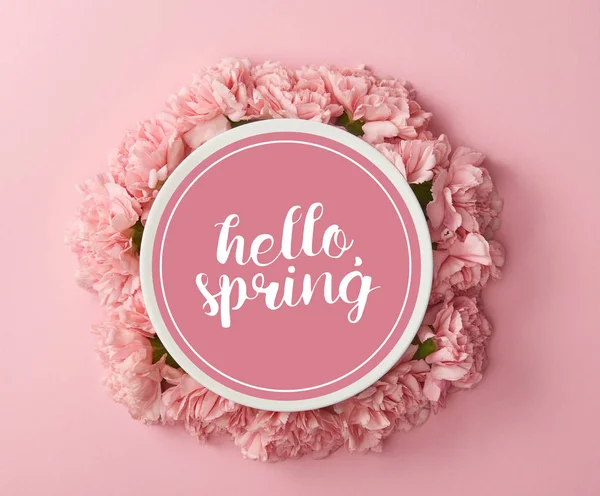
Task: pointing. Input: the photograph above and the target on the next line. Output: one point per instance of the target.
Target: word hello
(235, 292)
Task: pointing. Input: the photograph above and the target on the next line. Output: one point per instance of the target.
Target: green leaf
(136, 236)
(237, 123)
(158, 350)
(343, 120)
(423, 193)
(353, 127)
(426, 348)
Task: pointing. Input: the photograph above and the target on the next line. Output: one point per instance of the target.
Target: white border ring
(279, 126)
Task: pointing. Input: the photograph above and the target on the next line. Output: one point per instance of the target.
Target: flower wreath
(455, 191)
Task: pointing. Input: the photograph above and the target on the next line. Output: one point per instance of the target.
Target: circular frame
(256, 129)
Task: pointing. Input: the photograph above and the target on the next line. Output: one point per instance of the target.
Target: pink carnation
(273, 436)
(385, 107)
(416, 159)
(217, 96)
(254, 431)
(463, 197)
(273, 85)
(101, 238)
(460, 332)
(390, 111)
(132, 377)
(487, 207)
(492, 271)
(349, 90)
(280, 92)
(273, 91)
(146, 156)
(360, 71)
(311, 98)
(205, 130)
(396, 401)
(132, 314)
(314, 432)
(223, 89)
(203, 412)
(458, 265)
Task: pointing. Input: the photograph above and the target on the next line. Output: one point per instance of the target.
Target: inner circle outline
(191, 348)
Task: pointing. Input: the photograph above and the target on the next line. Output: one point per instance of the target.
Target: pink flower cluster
(463, 210)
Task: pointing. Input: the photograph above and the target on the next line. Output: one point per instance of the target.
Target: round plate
(286, 265)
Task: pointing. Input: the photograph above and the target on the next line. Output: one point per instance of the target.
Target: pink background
(517, 80)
